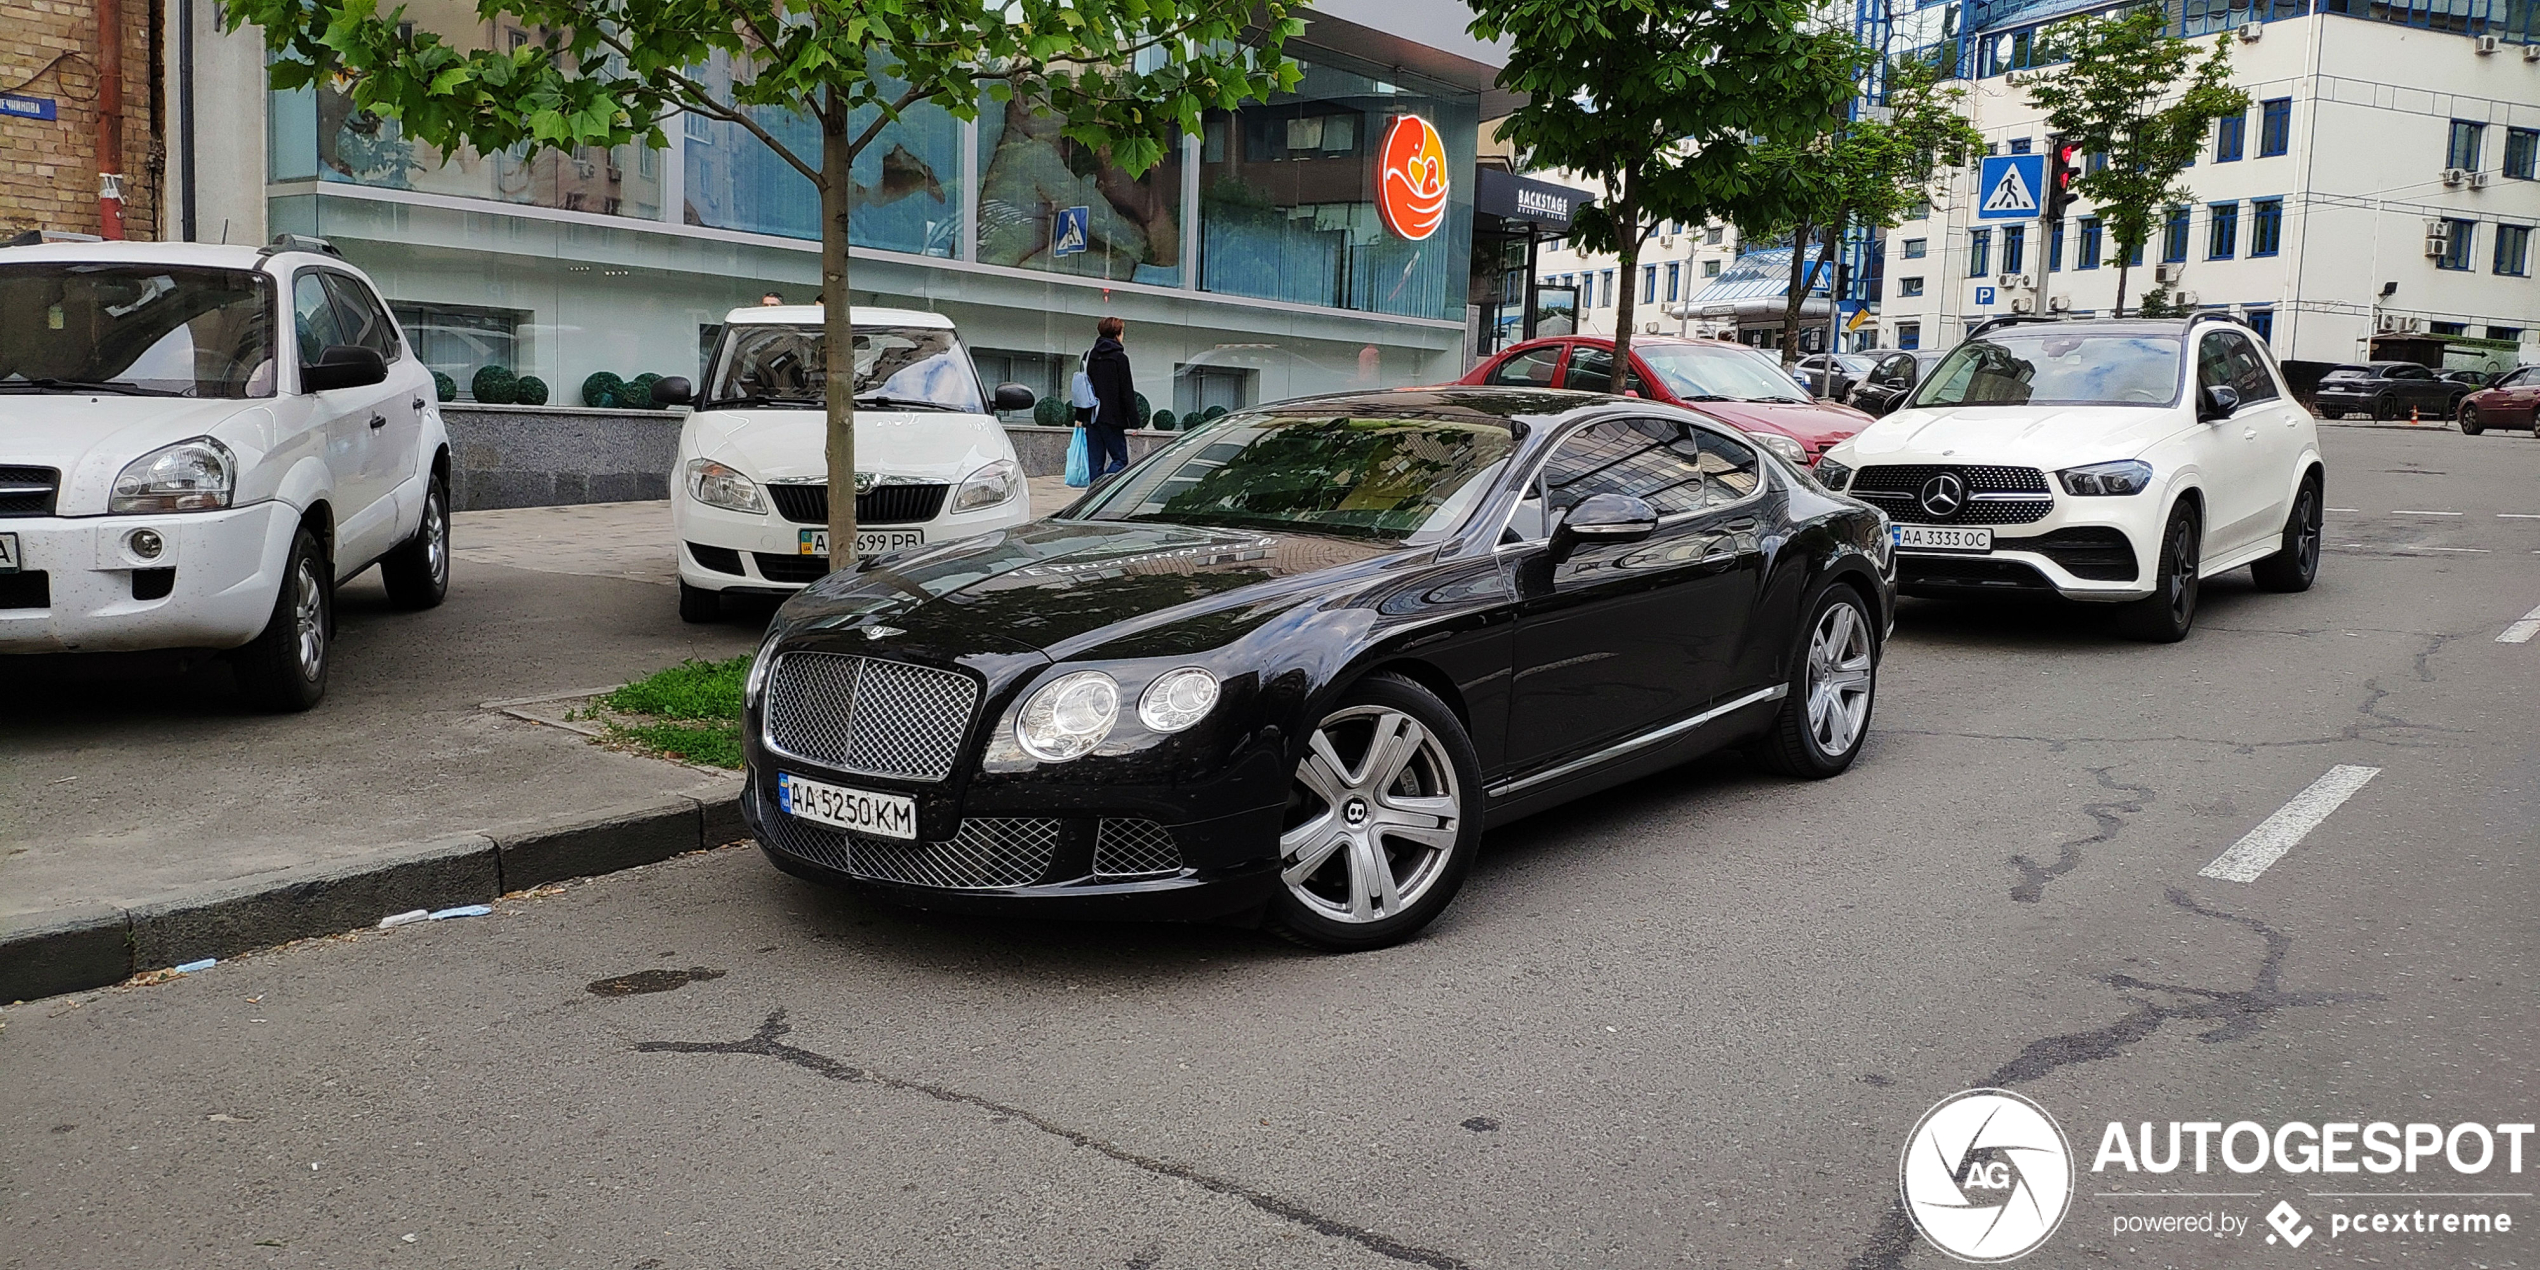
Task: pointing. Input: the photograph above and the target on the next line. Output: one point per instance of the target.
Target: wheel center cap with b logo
(1355, 812)
(1944, 494)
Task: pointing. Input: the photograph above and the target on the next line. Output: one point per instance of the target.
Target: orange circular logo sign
(1411, 178)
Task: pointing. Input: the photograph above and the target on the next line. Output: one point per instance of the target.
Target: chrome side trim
(1643, 741)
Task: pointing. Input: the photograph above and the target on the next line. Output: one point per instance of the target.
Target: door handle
(379, 421)
(1742, 525)
(417, 403)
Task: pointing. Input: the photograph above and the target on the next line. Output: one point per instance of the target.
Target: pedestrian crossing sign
(1070, 234)
(2009, 185)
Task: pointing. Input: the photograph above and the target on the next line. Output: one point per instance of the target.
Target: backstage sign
(1988, 1176)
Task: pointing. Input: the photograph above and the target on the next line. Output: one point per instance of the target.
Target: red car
(1740, 386)
(2513, 401)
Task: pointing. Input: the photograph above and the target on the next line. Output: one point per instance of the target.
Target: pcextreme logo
(1411, 178)
(1987, 1175)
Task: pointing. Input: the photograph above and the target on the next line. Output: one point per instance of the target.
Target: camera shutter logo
(1411, 178)
(1987, 1176)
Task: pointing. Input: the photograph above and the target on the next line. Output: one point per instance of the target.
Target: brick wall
(48, 168)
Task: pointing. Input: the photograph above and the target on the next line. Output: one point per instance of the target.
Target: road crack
(766, 1043)
(2034, 877)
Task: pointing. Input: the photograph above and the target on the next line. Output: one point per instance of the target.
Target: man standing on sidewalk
(1107, 368)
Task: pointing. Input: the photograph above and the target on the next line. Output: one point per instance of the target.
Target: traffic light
(2063, 164)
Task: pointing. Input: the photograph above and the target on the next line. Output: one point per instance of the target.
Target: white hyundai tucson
(198, 443)
(749, 491)
(2119, 461)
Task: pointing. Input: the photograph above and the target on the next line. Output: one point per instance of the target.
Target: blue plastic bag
(1080, 461)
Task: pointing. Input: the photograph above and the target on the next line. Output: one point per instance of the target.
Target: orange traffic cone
(2412, 416)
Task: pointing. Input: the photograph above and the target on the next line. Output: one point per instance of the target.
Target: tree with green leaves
(1124, 77)
(2138, 96)
(1665, 105)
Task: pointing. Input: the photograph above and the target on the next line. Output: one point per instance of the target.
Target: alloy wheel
(1373, 817)
(308, 618)
(2182, 571)
(1839, 680)
(2306, 529)
(436, 538)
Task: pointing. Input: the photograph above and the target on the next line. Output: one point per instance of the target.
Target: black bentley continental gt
(1294, 662)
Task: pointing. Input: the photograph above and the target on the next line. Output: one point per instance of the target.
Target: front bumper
(724, 550)
(2091, 563)
(80, 587)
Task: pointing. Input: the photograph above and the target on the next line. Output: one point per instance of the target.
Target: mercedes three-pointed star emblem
(1944, 494)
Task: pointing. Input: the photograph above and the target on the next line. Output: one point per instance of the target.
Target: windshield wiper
(49, 384)
(761, 399)
(903, 403)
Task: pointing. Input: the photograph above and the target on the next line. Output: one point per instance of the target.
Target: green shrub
(1053, 412)
(1163, 421)
(444, 388)
(1213, 412)
(1144, 411)
(529, 390)
(493, 385)
(639, 392)
(600, 389)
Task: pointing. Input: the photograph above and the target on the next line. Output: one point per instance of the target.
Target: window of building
(2462, 152)
(2222, 237)
(2447, 328)
(2093, 242)
(1909, 286)
(1921, 210)
(1916, 248)
(2174, 236)
(2263, 322)
(1711, 236)
(2097, 161)
(1979, 252)
(2054, 247)
(2134, 256)
(2228, 134)
(2513, 250)
(1710, 268)
(1649, 284)
(1675, 280)
(2504, 332)
(2022, 145)
(2014, 248)
(2275, 126)
(459, 339)
(2266, 226)
(1909, 335)
(2459, 243)
(2522, 153)
(1605, 287)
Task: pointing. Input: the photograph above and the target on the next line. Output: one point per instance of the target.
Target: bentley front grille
(869, 716)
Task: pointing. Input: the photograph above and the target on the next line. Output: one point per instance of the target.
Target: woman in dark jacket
(1107, 368)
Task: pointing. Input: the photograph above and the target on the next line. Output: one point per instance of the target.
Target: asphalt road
(1690, 1023)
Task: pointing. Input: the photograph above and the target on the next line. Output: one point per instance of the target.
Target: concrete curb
(94, 945)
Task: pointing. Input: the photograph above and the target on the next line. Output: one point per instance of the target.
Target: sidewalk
(147, 820)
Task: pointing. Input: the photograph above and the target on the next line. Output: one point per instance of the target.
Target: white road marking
(2405, 512)
(2476, 551)
(2345, 509)
(2522, 631)
(2284, 830)
(2518, 515)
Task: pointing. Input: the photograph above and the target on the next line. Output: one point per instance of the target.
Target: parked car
(2513, 401)
(1831, 376)
(2473, 379)
(179, 470)
(2118, 461)
(1294, 661)
(749, 491)
(2387, 390)
(1743, 387)
(1891, 377)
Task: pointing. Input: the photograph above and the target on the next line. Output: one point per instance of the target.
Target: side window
(1592, 370)
(1529, 369)
(2249, 372)
(313, 316)
(1656, 461)
(1729, 470)
(2410, 372)
(2213, 362)
(365, 322)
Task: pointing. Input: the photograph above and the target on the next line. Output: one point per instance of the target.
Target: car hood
(1068, 587)
(2045, 438)
(90, 438)
(792, 445)
(1816, 424)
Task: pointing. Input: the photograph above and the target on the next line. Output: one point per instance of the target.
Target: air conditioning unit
(2455, 176)
(1666, 240)
(2014, 282)
(2250, 31)
(2166, 274)
(1646, 328)
(2022, 305)
(2059, 304)
(2188, 298)
(2488, 44)
(2531, 52)
(2437, 246)
(2478, 180)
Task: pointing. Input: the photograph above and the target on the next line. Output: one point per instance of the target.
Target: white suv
(2118, 461)
(198, 443)
(749, 491)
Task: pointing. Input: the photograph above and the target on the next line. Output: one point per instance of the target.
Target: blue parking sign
(2011, 187)
(1984, 297)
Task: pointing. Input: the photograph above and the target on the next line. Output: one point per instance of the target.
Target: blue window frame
(2275, 126)
(2228, 135)
(1916, 248)
(1909, 286)
(1675, 279)
(1979, 252)
(2174, 237)
(2263, 322)
(2055, 248)
(2266, 226)
(2134, 256)
(2466, 141)
(2014, 247)
(2093, 243)
(2023, 145)
(1607, 286)
(2513, 250)
(1909, 335)
(1649, 284)
(2460, 244)
(2222, 237)
(2522, 152)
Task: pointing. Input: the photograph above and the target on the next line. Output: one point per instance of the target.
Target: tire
(284, 669)
(2385, 408)
(2297, 564)
(1356, 832)
(417, 573)
(697, 604)
(2468, 416)
(1833, 685)
(2166, 615)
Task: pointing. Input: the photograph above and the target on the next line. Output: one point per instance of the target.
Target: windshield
(148, 330)
(1365, 478)
(2048, 367)
(896, 367)
(1694, 373)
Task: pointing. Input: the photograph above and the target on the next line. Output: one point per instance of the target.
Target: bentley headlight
(2126, 476)
(989, 486)
(1069, 716)
(1833, 475)
(1786, 449)
(1177, 699)
(190, 476)
(718, 485)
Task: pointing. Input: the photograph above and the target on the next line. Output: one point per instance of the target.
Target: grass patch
(690, 712)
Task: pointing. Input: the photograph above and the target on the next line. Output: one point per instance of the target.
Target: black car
(1292, 663)
(1892, 378)
(1847, 370)
(2387, 390)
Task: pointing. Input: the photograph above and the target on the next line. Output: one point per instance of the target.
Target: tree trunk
(837, 331)
(2123, 255)
(1627, 248)
(1797, 294)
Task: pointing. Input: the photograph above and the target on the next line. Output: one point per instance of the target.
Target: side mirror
(344, 366)
(674, 391)
(1603, 518)
(1015, 397)
(2219, 401)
